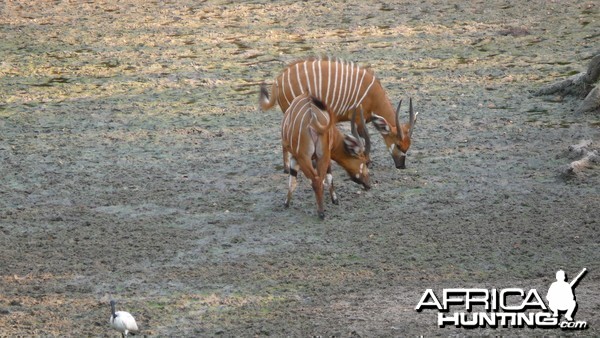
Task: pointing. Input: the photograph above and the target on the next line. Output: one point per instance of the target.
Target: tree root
(574, 86)
(580, 148)
(575, 168)
(580, 85)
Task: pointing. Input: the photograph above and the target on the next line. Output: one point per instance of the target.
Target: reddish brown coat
(343, 87)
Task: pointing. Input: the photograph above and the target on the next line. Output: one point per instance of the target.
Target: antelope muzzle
(400, 161)
(364, 182)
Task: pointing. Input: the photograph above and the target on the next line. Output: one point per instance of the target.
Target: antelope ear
(352, 145)
(380, 124)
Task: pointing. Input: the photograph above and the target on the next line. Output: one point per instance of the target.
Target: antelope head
(397, 138)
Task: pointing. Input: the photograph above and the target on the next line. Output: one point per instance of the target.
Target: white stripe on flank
(331, 101)
(304, 112)
(347, 89)
(337, 96)
(349, 85)
(355, 91)
(290, 128)
(307, 78)
(298, 109)
(342, 95)
(366, 91)
(357, 86)
(328, 82)
(352, 92)
(314, 73)
(283, 88)
(320, 81)
(362, 79)
(294, 115)
(350, 88)
(286, 122)
(285, 126)
(289, 77)
(298, 79)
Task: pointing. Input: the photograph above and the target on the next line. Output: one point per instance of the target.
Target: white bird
(122, 321)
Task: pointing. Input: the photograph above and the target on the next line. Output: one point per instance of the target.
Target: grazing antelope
(122, 321)
(308, 133)
(343, 87)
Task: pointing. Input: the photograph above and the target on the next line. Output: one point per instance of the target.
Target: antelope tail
(265, 102)
(319, 128)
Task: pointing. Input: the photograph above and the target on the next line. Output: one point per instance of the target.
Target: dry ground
(134, 164)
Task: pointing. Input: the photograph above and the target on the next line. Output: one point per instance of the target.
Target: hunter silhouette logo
(510, 307)
(561, 296)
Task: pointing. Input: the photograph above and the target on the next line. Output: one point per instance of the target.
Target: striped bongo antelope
(308, 133)
(343, 87)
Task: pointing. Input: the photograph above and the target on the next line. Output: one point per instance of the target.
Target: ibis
(122, 321)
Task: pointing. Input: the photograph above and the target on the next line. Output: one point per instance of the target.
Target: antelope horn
(366, 133)
(412, 116)
(353, 125)
(398, 125)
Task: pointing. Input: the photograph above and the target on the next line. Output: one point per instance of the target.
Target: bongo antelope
(343, 87)
(308, 133)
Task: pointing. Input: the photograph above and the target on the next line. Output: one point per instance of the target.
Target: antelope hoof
(321, 215)
(335, 200)
(286, 203)
(286, 170)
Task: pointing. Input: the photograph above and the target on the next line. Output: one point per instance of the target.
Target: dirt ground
(135, 165)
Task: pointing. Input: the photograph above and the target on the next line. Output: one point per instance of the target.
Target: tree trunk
(591, 103)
